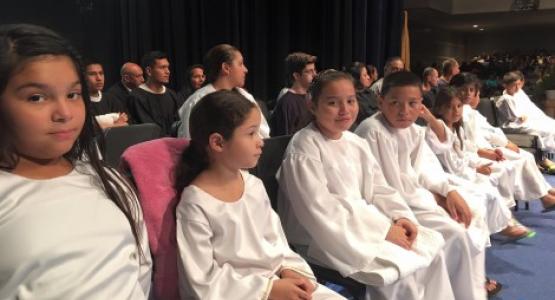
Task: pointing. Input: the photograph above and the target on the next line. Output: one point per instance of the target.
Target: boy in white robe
(414, 171)
(488, 142)
(339, 212)
(521, 115)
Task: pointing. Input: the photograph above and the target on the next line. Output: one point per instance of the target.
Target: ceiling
(495, 21)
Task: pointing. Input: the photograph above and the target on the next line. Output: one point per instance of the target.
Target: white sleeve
(435, 144)
(506, 106)
(493, 135)
(350, 231)
(184, 115)
(378, 192)
(430, 172)
(200, 274)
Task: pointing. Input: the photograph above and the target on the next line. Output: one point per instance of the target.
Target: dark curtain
(114, 31)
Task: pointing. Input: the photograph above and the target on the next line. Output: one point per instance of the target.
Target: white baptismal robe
(234, 249)
(513, 107)
(334, 201)
(187, 107)
(462, 172)
(528, 181)
(410, 166)
(63, 238)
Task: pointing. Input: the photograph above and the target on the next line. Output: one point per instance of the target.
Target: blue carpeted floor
(525, 268)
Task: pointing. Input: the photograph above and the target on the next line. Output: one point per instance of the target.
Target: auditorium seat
(118, 139)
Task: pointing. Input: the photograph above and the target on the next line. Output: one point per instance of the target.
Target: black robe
(119, 93)
(160, 109)
(290, 114)
(106, 105)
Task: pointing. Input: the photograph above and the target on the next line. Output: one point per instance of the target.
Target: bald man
(131, 78)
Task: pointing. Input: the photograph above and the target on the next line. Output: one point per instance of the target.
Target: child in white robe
(339, 212)
(231, 243)
(71, 227)
(519, 114)
(225, 69)
(490, 143)
(447, 142)
(414, 171)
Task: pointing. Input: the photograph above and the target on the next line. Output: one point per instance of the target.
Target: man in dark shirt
(131, 77)
(291, 112)
(152, 101)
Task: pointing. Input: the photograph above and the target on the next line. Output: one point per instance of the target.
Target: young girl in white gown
(70, 226)
(231, 243)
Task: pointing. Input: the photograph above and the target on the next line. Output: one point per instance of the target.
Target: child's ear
(226, 68)
(216, 142)
(381, 101)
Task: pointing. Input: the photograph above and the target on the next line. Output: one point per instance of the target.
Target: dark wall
(115, 31)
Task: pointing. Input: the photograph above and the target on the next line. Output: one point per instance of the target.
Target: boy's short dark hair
(296, 62)
(400, 79)
(465, 78)
(510, 78)
(149, 59)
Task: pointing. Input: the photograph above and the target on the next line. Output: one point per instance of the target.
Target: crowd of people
(405, 209)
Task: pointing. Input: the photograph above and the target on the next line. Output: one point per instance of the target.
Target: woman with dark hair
(71, 226)
(367, 100)
(225, 70)
(195, 79)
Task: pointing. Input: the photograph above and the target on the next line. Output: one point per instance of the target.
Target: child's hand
(487, 153)
(307, 285)
(398, 236)
(513, 147)
(457, 208)
(484, 169)
(122, 119)
(522, 119)
(288, 289)
(425, 113)
(499, 154)
(410, 229)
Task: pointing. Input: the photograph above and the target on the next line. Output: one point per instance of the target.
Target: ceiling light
(481, 29)
(474, 26)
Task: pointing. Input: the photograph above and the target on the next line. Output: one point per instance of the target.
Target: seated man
(108, 112)
(131, 77)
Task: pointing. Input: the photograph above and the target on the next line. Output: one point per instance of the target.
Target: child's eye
(36, 98)
(74, 96)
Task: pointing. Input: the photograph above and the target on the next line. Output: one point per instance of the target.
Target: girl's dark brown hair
(443, 101)
(219, 112)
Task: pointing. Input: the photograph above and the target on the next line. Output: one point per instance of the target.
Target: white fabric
(146, 88)
(234, 249)
(334, 200)
(456, 162)
(414, 171)
(107, 120)
(187, 107)
(537, 122)
(377, 86)
(528, 183)
(62, 238)
(96, 98)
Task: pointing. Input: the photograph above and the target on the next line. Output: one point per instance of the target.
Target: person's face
(401, 106)
(365, 80)
(374, 75)
(237, 70)
(395, 66)
(520, 83)
(511, 88)
(433, 78)
(43, 105)
(336, 108)
(160, 71)
(134, 77)
(95, 78)
(453, 113)
(456, 70)
(466, 93)
(244, 147)
(306, 76)
(197, 78)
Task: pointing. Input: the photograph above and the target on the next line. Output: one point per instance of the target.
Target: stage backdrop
(115, 31)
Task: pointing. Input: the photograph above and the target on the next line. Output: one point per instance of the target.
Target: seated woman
(367, 99)
(231, 243)
(71, 226)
